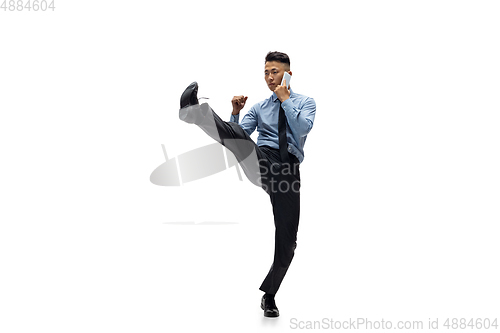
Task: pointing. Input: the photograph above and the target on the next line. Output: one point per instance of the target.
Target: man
(283, 122)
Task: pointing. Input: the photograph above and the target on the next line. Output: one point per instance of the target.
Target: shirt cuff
(234, 118)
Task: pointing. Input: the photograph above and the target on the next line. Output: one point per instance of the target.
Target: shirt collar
(274, 97)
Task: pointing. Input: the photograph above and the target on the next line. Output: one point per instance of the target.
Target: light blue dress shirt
(299, 110)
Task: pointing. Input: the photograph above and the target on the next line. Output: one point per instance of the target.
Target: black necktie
(282, 136)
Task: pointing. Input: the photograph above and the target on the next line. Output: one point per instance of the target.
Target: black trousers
(262, 166)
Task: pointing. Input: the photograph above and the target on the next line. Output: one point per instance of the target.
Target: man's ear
(290, 72)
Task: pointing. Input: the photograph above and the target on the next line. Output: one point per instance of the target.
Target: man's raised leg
(230, 135)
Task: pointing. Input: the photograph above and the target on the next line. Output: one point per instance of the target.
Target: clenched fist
(238, 103)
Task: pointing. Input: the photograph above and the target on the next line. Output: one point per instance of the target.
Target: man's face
(273, 73)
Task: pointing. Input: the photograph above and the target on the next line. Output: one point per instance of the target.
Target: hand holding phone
(286, 77)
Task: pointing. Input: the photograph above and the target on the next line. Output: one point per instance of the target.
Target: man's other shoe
(269, 306)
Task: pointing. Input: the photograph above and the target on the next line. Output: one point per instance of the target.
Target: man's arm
(249, 122)
(300, 119)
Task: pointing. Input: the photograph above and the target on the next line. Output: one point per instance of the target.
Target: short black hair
(279, 57)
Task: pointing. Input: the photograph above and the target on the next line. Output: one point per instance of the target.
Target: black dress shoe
(269, 306)
(189, 96)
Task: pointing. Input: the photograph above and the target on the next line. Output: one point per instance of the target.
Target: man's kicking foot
(191, 112)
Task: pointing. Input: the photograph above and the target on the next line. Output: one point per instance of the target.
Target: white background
(400, 182)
